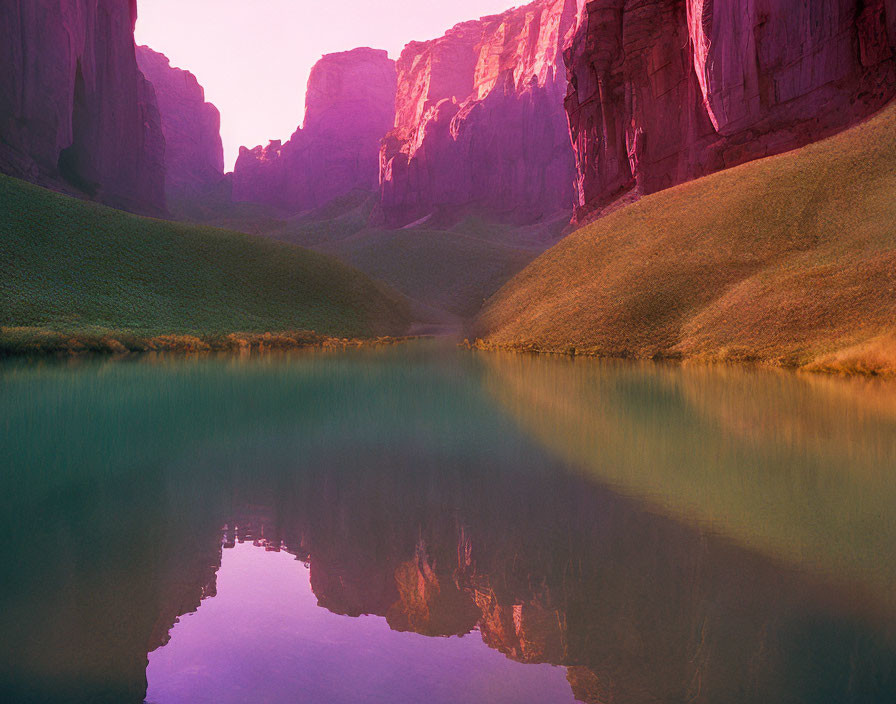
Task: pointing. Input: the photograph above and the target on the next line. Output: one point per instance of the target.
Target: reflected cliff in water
(535, 504)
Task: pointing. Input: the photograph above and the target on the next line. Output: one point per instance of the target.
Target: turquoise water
(425, 524)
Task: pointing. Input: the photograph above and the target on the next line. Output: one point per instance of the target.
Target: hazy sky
(253, 56)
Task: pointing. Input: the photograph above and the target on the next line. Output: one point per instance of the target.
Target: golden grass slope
(789, 260)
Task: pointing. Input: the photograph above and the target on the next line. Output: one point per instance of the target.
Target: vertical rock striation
(76, 113)
(192, 127)
(349, 106)
(479, 119)
(663, 91)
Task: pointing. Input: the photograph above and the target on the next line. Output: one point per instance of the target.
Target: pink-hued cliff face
(669, 90)
(350, 105)
(75, 112)
(194, 156)
(254, 59)
(479, 119)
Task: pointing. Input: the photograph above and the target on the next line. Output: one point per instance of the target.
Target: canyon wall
(665, 91)
(194, 153)
(349, 106)
(76, 113)
(479, 119)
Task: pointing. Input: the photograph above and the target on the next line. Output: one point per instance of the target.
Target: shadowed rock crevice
(74, 159)
(70, 83)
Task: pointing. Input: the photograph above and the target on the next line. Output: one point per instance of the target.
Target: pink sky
(253, 56)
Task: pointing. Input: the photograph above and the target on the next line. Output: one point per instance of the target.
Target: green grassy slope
(76, 267)
(447, 265)
(340, 218)
(789, 260)
(446, 270)
(450, 271)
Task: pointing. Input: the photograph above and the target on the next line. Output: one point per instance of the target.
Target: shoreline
(865, 361)
(23, 342)
(43, 342)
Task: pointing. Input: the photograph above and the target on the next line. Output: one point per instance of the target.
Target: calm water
(422, 524)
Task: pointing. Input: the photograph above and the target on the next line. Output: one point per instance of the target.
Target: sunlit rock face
(664, 91)
(479, 119)
(192, 127)
(76, 113)
(349, 106)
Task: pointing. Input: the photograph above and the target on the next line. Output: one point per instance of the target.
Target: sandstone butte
(194, 154)
(76, 113)
(349, 106)
(479, 119)
(665, 91)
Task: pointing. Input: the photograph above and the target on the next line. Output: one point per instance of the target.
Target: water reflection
(264, 638)
(413, 498)
(799, 467)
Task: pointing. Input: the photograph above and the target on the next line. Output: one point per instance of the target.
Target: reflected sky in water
(264, 638)
(425, 524)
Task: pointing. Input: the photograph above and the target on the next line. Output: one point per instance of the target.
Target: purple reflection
(263, 638)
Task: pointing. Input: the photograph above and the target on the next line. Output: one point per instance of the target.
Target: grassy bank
(447, 267)
(788, 261)
(80, 275)
(18, 341)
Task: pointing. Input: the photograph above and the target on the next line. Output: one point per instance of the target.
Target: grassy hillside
(788, 260)
(447, 270)
(82, 269)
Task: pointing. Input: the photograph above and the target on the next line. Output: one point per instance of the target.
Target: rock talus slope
(665, 91)
(479, 119)
(349, 106)
(76, 113)
(192, 127)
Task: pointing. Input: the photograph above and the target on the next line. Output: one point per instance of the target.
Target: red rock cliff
(479, 119)
(349, 106)
(75, 112)
(663, 91)
(192, 127)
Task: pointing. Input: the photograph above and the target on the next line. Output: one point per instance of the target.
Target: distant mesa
(562, 103)
(349, 106)
(192, 127)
